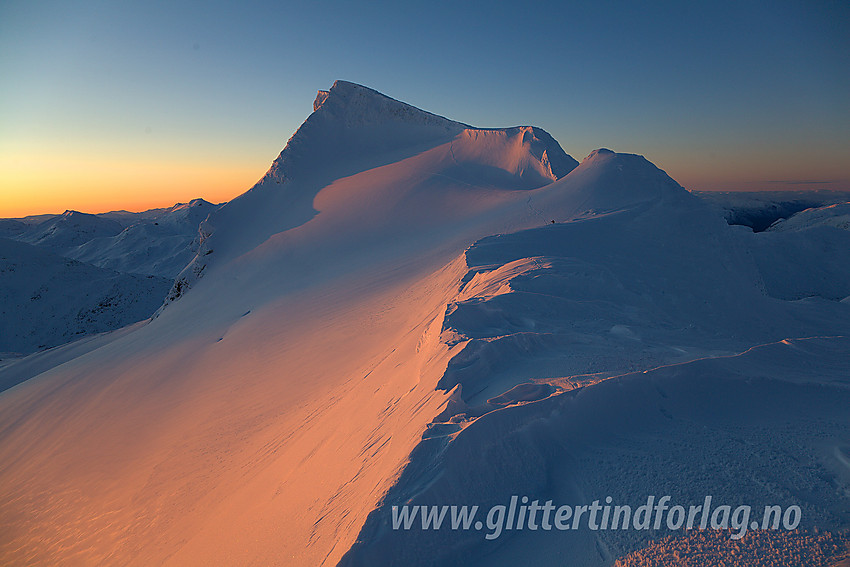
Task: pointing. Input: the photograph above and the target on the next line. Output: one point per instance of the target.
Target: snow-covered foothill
(161, 245)
(47, 300)
(70, 229)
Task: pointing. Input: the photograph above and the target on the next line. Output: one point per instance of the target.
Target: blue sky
(134, 104)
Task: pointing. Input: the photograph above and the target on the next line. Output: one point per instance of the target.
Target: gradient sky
(130, 105)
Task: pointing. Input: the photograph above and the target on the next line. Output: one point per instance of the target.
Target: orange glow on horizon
(30, 186)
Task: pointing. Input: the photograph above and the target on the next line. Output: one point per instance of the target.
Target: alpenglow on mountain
(409, 310)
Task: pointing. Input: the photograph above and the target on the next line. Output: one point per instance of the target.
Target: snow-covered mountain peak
(606, 159)
(354, 130)
(71, 228)
(76, 216)
(350, 122)
(193, 204)
(601, 153)
(609, 181)
(356, 105)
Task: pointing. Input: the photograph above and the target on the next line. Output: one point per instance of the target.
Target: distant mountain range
(70, 275)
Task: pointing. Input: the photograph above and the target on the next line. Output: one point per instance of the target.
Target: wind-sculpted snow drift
(406, 309)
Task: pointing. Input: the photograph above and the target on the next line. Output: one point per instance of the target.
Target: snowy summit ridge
(350, 116)
(357, 105)
(351, 113)
(354, 129)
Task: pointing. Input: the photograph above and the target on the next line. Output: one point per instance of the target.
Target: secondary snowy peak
(70, 229)
(161, 245)
(190, 214)
(600, 154)
(194, 203)
(611, 181)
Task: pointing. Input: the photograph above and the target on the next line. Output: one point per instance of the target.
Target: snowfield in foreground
(409, 310)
